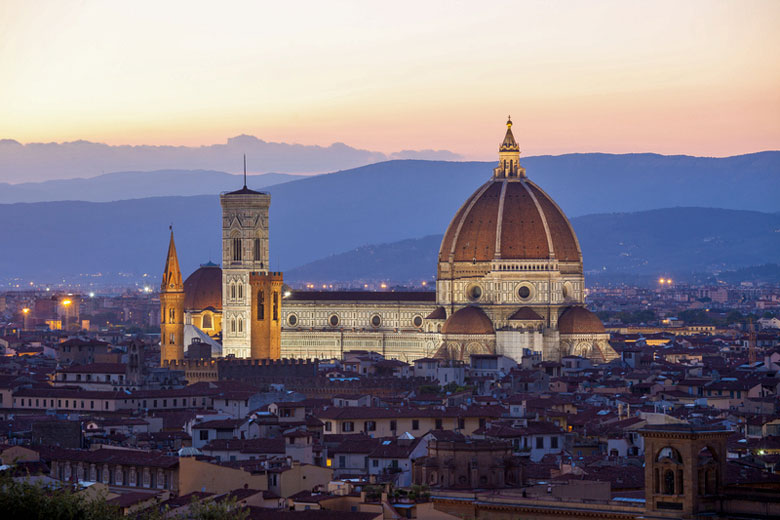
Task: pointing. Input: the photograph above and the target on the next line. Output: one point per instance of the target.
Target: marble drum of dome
(510, 244)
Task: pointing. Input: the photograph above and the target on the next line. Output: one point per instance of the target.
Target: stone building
(468, 464)
(509, 280)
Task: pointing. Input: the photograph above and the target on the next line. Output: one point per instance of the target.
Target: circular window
(292, 320)
(376, 320)
(417, 321)
(334, 320)
(524, 292)
(475, 292)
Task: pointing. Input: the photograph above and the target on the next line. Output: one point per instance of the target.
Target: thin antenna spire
(244, 170)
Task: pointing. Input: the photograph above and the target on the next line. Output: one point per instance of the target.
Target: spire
(509, 144)
(171, 280)
(509, 156)
(244, 171)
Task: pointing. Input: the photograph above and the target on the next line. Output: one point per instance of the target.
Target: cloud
(47, 161)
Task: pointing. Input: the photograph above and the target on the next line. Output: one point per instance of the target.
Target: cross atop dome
(509, 156)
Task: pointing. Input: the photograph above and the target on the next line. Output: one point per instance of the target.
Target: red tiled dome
(579, 320)
(525, 314)
(203, 288)
(468, 320)
(509, 219)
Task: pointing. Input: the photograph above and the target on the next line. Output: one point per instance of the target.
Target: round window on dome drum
(524, 292)
(334, 320)
(376, 320)
(475, 292)
(417, 321)
(292, 320)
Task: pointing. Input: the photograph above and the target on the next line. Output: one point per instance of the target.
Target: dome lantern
(509, 156)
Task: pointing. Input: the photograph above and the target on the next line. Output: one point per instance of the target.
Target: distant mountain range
(47, 161)
(136, 185)
(315, 217)
(671, 241)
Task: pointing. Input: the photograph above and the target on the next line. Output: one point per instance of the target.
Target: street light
(25, 312)
(66, 304)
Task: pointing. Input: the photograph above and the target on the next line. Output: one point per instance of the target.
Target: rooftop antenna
(244, 170)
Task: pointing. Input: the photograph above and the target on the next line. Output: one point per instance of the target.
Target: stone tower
(244, 251)
(171, 309)
(266, 316)
(685, 468)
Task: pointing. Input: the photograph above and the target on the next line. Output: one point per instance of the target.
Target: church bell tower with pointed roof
(244, 251)
(171, 309)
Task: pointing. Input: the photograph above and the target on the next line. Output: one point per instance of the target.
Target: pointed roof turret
(171, 280)
(509, 144)
(509, 157)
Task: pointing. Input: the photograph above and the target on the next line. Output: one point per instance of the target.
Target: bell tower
(685, 467)
(244, 251)
(266, 315)
(171, 309)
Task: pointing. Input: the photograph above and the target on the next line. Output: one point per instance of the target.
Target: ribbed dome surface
(509, 219)
(579, 320)
(468, 320)
(203, 288)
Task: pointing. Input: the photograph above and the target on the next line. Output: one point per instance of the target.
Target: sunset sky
(693, 77)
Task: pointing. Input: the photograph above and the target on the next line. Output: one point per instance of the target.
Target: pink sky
(694, 77)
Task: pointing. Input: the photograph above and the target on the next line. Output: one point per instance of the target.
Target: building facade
(509, 280)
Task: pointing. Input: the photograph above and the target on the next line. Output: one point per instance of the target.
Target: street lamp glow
(25, 310)
(66, 302)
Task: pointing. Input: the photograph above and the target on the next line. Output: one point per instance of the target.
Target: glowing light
(147, 289)
(66, 302)
(424, 284)
(287, 294)
(383, 286)
(91, 295)
(25, 310)
(661, 281)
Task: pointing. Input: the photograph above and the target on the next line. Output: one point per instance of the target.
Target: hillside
(674, 241)
(136, 185)
(329, 214)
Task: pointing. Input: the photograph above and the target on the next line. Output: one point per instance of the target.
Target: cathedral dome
(203, 288)
(579, 320)
(468, 320)
(509, 218)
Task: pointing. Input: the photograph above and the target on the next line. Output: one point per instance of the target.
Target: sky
(693, 77)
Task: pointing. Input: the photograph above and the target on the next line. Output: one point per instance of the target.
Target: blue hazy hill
(135, 185)
(666, 241)
(328, 214)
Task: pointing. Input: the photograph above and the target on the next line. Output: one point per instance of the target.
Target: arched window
(233, 291)
(260, 305)
(240, 291)
(172, 339)
(171, 315)
(236, 249)
(276, 306)
(257, 250)
(240, 325)
(207, 321)
(233, 325)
